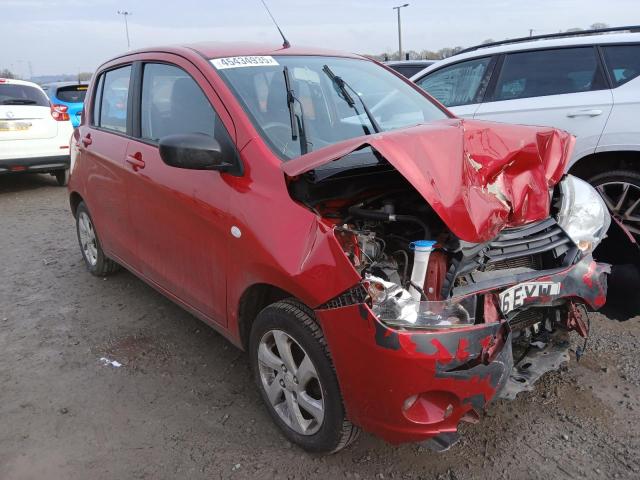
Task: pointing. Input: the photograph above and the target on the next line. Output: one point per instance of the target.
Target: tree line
(450, 51)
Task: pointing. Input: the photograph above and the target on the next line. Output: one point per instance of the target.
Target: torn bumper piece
(408, 385)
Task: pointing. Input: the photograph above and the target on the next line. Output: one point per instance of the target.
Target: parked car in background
(378, 277)
(70, 94)
(34, 134)
(588, 85)
(409, 68)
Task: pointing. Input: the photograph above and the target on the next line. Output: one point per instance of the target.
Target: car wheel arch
(253, 300)
(74, 200)
(595, 163)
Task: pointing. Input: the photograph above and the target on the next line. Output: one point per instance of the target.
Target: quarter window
(457, 84)
(549, 72)
(114, 100)
(623, 62)
(96, 102)
(172, 103)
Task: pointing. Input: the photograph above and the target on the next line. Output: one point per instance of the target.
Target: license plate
(517, 295)
(14, 126)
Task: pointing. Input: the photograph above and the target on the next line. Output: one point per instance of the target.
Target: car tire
(290, 323)
(94, 257)
(62, 177)
(611, 186)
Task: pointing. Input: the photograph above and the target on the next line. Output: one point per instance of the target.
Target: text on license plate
(14, 126)
(516, 296)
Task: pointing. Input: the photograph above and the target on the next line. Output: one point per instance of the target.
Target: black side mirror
(195, 151)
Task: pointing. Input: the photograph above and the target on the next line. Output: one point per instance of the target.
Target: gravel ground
(183, 405)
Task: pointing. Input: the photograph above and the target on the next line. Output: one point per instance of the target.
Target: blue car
(70, 94)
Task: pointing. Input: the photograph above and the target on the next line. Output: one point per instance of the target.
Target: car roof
(19, 82)
(211, 50)
(409, 63)
(64, 84)
(535, 45)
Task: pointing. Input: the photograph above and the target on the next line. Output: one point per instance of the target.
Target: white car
(588, 85)
(34, 134)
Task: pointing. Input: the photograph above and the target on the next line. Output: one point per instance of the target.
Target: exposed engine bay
(417, 274)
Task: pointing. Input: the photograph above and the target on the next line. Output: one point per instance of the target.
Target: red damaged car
(388, 266)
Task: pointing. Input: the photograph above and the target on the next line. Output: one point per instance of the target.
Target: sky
(69, 36)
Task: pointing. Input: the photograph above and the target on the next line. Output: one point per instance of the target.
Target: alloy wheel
(291, 383)
(623, 201)
(88, 241)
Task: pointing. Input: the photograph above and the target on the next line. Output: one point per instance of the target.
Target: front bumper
(34, 164)
(411, 385)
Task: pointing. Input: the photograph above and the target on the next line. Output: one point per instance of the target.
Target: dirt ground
(183, 405)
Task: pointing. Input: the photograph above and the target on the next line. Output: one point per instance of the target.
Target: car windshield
(303, 103)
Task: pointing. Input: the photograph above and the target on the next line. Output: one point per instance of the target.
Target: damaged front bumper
(414, 384)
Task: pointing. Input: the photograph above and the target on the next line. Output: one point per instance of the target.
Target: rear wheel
(62, 177)
(296, 378)
(94, 258)
(620, 190)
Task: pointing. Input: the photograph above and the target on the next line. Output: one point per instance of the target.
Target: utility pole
(125, 14)
(531, 32)
(400, 30)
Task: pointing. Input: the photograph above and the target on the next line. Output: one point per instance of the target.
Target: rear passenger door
(179, 217)
(622, 131)
(461, 86)
(563, 88)
(103, 144)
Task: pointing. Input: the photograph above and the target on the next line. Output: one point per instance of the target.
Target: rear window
(623, 62)
(72, 93)
(15, 94)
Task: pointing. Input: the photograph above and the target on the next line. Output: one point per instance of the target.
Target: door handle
(585, 113)
(135, 161)
(86, 141)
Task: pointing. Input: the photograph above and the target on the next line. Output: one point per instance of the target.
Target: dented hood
(479, 177)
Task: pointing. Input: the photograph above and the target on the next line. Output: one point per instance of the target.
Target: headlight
(395, 306)
(583, 214)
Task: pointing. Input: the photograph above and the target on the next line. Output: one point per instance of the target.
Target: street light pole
(400, 30)
(125, 14)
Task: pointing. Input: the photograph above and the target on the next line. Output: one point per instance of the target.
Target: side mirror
(195, 151)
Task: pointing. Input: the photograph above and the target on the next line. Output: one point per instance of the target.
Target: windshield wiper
(297, 121)
(19, 101)
(343, 86)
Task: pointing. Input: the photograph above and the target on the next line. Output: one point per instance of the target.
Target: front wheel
(620, 190)
(296, 378)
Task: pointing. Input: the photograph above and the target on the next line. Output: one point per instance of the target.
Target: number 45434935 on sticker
(516, 296)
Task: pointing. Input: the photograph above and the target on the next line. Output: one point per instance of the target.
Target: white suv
(34, 135)
(587, 85)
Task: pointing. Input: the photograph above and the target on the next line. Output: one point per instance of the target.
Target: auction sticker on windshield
(247, 61)
(517, 295)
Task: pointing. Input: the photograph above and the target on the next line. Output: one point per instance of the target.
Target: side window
(114, 99)
(549, 72)
(457, 84)
(97, 100)
(623, 62)
(172, 102)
